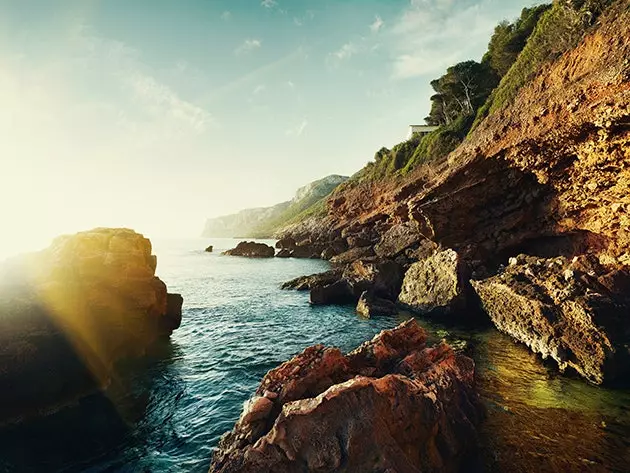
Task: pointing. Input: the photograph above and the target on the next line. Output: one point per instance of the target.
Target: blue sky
(157, 114)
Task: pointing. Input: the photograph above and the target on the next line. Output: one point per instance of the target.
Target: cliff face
(69, 313)
(547, 175)
(265, 221)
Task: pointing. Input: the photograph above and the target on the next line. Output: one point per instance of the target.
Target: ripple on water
(237, 325)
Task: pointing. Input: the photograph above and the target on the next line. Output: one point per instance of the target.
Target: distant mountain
(263, 222)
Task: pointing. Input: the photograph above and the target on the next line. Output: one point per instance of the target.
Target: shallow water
(169, 413)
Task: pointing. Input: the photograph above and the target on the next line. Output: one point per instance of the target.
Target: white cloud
(259, 88)
(226, 15)
(346, 51)
(268, 3)
(298, 129)
(430, 36)
(378, 23)
(248, 45)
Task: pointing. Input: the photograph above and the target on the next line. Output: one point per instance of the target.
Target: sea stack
(69, 313)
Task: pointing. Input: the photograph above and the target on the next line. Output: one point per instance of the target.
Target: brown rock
(338, 292)
(304, 283)
(251, 249)
(438, 284)
(72, 311)
(369, 306)
(283, 253)
(353, 255)
(574, 312)
(397, 239)
(394, 404)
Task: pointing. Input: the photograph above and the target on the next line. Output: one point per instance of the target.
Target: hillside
(263, 222)
(545, 172)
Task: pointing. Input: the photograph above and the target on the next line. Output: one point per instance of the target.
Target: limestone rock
(251, 249)
(369, 306)
(338, 292)
(575, 312)
(394, 404)
(397, 239)
(304, 283)
(69, 313)
(353, 255)
(437, 284)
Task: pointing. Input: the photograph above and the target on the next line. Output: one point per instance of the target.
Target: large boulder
(394, 404)
(382, 279)
(370, 305)
(69, 313)
(397, 239)
(573, 311)
(353, 255)
(251, 249)
(436, 285)
(338, 292)
(304, 283)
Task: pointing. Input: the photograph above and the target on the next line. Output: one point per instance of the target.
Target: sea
(169, 411)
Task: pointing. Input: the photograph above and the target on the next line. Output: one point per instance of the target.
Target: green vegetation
(470, 91)
(557, 29)
(311, 205)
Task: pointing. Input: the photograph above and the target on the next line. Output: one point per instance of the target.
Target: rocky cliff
(265, 221)
(547, 175)
(70, 313)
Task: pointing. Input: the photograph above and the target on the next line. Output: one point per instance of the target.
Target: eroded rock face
(251, 249)
(71, 311)
(437, 284)
(575, 312)
(369, 306)
(304, 283)
(353, 255)
(393, 404)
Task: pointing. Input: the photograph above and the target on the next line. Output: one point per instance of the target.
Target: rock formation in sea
(251, 249)
(70, 313)
(393, 404)
(546, 174)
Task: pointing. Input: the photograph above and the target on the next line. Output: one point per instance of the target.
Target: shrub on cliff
(558, 29)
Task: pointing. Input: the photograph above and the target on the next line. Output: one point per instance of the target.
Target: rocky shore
(71, 312)
(393, 404)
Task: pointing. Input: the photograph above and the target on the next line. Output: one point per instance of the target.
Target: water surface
(238, 324)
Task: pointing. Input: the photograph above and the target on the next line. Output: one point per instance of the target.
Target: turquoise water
(171, 411)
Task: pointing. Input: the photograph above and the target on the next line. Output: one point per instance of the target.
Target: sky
(156, 114)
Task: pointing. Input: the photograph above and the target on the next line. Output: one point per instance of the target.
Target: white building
(420, 130)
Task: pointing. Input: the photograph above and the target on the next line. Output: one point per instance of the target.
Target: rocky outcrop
(573, 311)
(69, 313)
(251, 249)
(345, 285)
(370, 305)
(436, 285)
(394, 404)
(353, 255)
(209, 249)
(304, 283)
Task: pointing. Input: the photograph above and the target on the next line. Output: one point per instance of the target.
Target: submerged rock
(251, 249)
(575, 312)
(393, 404)
(437, 284)
(69, 313)
(370, 305)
